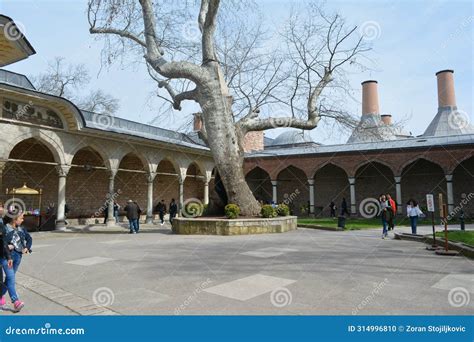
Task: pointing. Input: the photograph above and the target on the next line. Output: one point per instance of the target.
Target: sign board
(430, 203)
(440, 199)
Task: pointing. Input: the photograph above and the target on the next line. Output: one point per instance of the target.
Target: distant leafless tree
(67, 80)
(243, 77)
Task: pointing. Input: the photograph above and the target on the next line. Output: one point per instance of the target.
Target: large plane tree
(243, 77)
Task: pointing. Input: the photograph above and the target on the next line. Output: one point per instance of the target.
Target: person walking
(332, 209)
(132, 215)
(19, 242)
(173, 210)
(116, 212)
(384, 212)
(344, 210)
(4, 254)
(413, 212)
(161, 208)
(139, 214)
(393, 207)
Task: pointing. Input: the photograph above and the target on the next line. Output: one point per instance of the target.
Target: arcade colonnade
(309, 184)
(90, 170)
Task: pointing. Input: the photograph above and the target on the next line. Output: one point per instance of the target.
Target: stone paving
(107, 271)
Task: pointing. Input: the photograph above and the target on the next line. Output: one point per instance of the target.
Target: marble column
(149, 204)
(62, 170)
(353, 195)
(398, 194)
(274, 192)
(311, 195)
(110, 200)
(450, 194)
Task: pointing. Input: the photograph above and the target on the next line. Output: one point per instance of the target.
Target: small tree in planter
(268, 211)
(283, 210)
(232, 211)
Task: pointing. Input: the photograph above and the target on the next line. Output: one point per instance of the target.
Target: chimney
(197, 122)
(370, 97)
(386, 119)
(253, 141)
(446, 97)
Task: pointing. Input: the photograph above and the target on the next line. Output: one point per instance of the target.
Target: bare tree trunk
(224, 143)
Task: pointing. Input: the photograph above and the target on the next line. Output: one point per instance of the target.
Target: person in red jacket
(393, 207)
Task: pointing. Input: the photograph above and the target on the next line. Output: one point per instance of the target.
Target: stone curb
(76, 304)
(462, 248)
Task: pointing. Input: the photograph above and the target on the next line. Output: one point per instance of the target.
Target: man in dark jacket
(173, 210)
(133, 215)
(161, 208)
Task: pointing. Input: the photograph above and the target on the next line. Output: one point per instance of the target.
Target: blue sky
(413, 40)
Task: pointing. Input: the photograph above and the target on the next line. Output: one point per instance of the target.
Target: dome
(292, 137)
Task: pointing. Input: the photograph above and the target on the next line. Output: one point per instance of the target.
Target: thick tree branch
(177, 98)
(121, 33)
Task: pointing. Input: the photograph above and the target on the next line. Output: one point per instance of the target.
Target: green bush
(283, 210)
(268, 211)
(232, 211)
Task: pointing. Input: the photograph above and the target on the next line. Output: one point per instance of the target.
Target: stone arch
(463, 187)
(459, 162)
(329, 162)
(33, 163)
(166, 182)
(414, 159)
(331, 183)
(132, 178)
(194, 182)
(51, 140)
(260, 183)
(421, 177)
(358, 167)
(93, 146)
(293, 189)
(87, 182)
(372, 179)
(144, 160)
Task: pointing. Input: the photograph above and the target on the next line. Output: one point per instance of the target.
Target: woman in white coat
(413, 211)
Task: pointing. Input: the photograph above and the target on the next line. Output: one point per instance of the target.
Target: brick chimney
(386, 119)
(370, 97)
(446, 96)
(197, 122)
(253, 141)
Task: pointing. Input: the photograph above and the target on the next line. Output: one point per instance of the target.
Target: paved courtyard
(304, 272)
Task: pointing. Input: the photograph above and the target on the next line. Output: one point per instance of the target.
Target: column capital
(311, 181)
(63, 170)
(274, 182)
(398, 179)
(449, 178)
(352, 180)
(207, 176)
(151, 176)
(112, 173)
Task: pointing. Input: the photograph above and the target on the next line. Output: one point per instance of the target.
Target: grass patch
(466, 236)
(351, 223)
